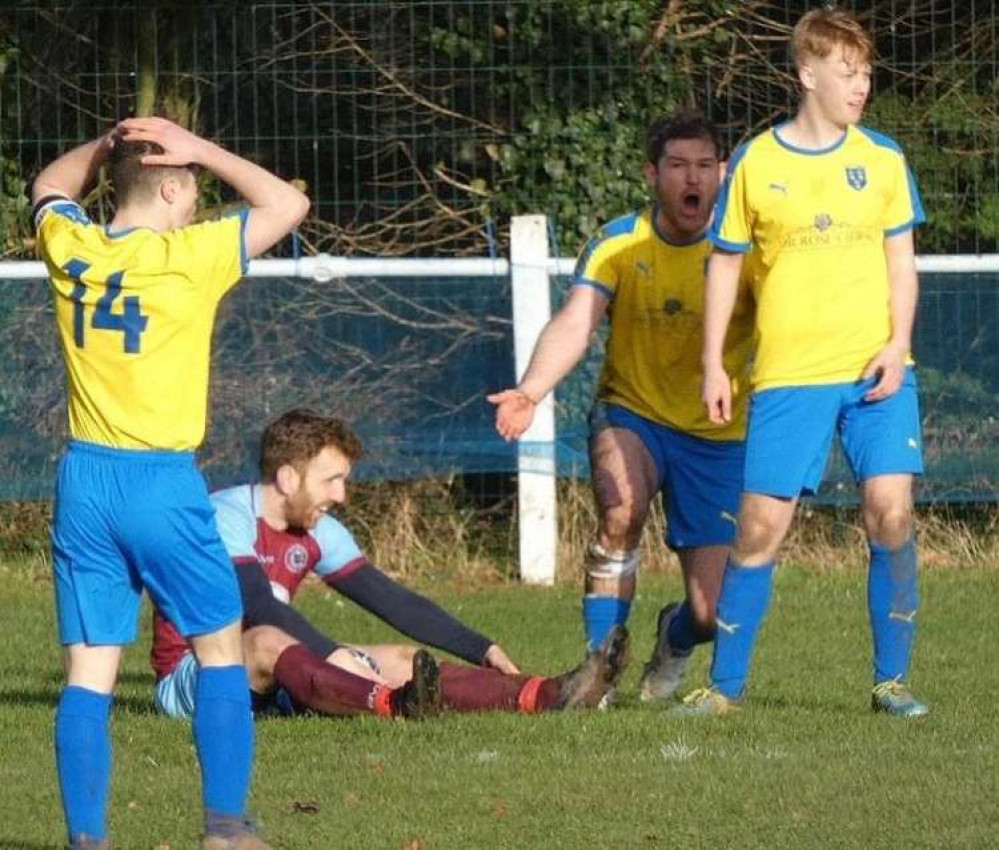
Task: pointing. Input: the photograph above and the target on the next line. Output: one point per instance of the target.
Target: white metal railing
(530, 270)
(326, 267)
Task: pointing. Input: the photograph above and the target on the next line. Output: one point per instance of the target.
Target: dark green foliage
(415, 123)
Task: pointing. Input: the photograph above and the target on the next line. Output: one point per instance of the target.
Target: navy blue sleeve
(412, 614)
(262, 608)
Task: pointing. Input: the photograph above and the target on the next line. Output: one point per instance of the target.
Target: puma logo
(905, 618)
(725, 627)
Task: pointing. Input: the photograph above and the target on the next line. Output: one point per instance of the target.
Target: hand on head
(180, 146)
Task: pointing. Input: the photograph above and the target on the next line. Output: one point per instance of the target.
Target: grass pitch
(805, 765)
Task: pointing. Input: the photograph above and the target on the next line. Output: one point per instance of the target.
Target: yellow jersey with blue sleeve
(656, 292)
(816, 221)
(135, 311)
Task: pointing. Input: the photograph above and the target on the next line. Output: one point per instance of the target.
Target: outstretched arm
(720, 293)
(262, 608)
(70, 175)
(276, 207)
(412, 614)
(562, 344)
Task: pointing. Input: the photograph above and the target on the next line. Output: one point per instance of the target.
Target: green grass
(805, 765)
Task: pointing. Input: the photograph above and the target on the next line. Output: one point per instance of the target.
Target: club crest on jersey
(296, 557)
(823, 221)
(856, 176)
(672, 306)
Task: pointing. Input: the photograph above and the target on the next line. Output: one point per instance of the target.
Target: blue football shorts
(127, 519)
(791, 432)
(700, 480)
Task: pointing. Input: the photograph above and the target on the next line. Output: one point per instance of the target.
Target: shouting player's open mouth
(690, 204)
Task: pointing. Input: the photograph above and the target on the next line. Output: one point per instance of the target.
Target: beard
(300, 512)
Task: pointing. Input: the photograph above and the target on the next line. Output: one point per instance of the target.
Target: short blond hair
(821, 30)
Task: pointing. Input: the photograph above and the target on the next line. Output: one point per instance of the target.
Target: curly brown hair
(295, 437)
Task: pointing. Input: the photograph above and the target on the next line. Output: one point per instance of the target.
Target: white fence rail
(530, 270)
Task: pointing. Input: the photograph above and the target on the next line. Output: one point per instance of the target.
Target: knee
(263, 644)
(758, 537)
(889, 524)
(621, 528)
(221, 648)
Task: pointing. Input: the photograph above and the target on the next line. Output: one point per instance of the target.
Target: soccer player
(135, 302)
(648, 433)
(829, 209)
(277, 532)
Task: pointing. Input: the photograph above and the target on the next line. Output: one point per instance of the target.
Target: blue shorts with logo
(132, 519)
(700, 480)
(791, 432)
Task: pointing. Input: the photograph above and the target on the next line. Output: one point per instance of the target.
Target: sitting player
(278, 531)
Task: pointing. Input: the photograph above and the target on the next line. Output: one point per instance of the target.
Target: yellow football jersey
(656, 292)
(135, 312)
(817, 221)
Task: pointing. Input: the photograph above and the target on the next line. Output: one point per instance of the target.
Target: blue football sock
(680, 634)
(600, 615)
(83, 760)
(892, 601)
(223, 736)
(742, 604)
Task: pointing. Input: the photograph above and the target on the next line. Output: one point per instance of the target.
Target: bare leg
(625, 480)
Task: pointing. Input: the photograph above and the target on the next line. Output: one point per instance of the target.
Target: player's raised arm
(719, 300)
(71, 174)
(276, 207)
(888, 365)
(562, 344)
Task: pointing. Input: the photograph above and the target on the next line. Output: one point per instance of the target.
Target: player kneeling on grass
(276, 533)
(830, 207)
(648, 432)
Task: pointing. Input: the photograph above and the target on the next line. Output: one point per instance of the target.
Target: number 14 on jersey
(131, 322)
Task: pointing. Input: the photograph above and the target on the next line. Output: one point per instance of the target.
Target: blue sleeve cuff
(902, 228)
(244, 259)
(733, 247)
(588, 281)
